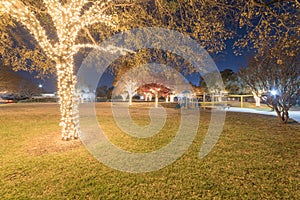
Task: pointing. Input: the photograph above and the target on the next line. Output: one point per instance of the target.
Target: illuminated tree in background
(130, 87)
(68, 19)
(155, 89)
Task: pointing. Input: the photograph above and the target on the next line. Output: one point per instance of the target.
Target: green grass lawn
(255, 158)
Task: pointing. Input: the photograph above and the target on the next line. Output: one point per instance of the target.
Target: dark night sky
(228, 60)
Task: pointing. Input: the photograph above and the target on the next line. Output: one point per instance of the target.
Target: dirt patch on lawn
(49, 143)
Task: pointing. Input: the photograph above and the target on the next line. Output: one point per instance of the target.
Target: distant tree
(233, 83)
(102, 91)
(28, 89)
(109, 92)
(130, 87)
(276, 76)
(124, 96)
(13, 84)
(230, 80)
(8, 80)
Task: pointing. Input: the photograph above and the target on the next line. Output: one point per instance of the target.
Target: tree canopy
(256, 24)
(155, 88)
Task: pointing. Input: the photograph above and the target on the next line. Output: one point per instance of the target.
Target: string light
(68, 20)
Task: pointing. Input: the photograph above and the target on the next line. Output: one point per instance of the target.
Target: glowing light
(274, 92)
(68, 20)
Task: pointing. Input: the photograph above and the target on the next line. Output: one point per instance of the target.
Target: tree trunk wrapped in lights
(68, 20)
(66, 81)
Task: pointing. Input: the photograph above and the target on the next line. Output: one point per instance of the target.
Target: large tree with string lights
(68, 20)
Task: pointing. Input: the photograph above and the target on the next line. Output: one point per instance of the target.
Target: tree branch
(18, 10)
(96, 14)
(55, 10)
(89, 35)
(110, 48)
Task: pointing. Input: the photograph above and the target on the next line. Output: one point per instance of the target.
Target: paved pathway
(295, 115)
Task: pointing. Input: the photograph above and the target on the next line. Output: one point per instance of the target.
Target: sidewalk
(295, 115)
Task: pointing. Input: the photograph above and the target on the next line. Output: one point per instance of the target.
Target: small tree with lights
(131, 88)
